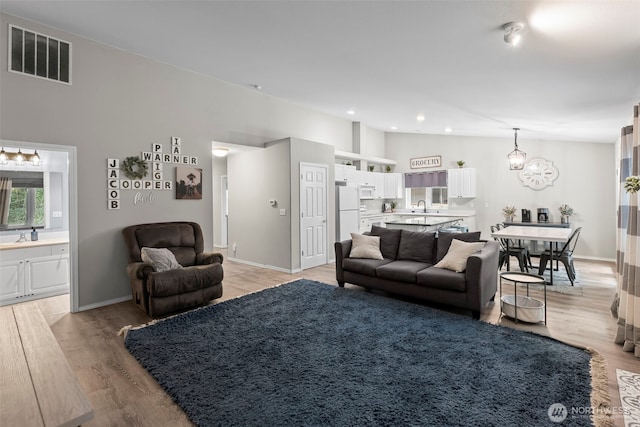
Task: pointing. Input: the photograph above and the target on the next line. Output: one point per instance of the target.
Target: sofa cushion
(444, 240)
(416, 246)
(389, 240)
(363, 265)
(440, 278)
(401, 271)
(365, 246)
(456, 257)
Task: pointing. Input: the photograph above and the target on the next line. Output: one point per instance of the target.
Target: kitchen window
(436, 197)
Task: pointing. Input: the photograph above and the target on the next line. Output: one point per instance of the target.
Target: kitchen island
(424, 223)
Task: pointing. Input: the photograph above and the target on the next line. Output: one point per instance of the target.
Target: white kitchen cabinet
(378, 179)
(461, 183)
(393, 186)
(365, 178)
(346, 173)
(35, 272)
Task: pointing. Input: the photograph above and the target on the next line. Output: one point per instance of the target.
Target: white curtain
(5, 199)
(627, 303)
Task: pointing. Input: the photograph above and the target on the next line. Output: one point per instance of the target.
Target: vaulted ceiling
(575, 75)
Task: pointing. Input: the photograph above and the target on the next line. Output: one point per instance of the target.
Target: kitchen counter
(424, 223)
(443, 213)
(30, 244)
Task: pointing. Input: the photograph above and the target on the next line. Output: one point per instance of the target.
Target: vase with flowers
(509, 212)
(566, 211)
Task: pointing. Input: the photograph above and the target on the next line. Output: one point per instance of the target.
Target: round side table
(525, 279)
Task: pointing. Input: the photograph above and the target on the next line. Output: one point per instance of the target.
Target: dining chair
(517, 250)
(564, 255)
(502, 257)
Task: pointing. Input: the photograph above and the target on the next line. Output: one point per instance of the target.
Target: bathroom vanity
(33, 269)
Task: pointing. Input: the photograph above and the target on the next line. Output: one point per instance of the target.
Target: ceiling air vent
(39, 55)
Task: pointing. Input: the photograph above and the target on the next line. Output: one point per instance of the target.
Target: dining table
(550, 235)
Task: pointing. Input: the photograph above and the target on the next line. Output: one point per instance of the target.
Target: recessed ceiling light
(448, 130)
(394, 127)
(256, 87)
(420, 118)
(351, 112)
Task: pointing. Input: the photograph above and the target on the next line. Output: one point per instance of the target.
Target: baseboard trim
(593, 258)
(104, 303)
(270, 267)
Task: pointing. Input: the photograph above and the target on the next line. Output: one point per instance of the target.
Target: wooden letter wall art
(144, 173)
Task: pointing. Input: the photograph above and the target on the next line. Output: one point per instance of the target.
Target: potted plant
(460, 163)
(393, 206)
(566, 211)
(509, 212)
(387, 168)
(371, 168)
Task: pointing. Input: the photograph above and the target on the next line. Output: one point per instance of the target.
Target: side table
(521, 278)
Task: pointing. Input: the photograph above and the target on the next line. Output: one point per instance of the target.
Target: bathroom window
(27, 202)
(26, 208)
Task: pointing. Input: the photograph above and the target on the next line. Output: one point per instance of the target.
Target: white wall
(261, 235)
(587, 181)
(119, 104)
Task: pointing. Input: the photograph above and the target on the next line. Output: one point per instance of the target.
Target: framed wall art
(188, 183)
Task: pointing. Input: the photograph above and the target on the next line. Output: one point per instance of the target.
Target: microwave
(367, 192)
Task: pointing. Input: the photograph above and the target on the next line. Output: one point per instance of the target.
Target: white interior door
(313, 215)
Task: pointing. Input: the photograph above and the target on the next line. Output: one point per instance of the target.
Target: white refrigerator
(347, 212)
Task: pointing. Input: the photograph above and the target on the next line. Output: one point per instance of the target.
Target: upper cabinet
(461, 183)
(393, 186)
(345, 173)
(387, 185)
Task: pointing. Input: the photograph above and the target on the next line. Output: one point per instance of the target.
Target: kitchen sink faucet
(425, 205)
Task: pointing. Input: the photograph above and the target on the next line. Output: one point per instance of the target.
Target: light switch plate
(283, 212)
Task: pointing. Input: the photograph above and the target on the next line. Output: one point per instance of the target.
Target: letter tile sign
(145, 173)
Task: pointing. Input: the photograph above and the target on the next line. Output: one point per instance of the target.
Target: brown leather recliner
(160, 293)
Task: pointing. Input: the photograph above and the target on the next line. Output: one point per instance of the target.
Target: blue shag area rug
(309, 354)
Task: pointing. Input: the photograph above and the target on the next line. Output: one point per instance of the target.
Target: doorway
(61, 211)
(224, 212)
(313, 215)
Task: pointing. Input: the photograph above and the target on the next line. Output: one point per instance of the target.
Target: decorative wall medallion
(538, 174)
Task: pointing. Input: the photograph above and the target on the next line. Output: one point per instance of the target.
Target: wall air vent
(39, 55)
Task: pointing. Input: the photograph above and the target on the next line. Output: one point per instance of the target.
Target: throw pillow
(444, 240)
(365, 247)
(160, 258)
(456, 257)
(389, 240)
(416, 246)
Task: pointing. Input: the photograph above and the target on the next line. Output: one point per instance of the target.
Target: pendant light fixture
(516, 157)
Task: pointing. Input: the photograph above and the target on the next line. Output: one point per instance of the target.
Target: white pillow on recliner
(161, 259)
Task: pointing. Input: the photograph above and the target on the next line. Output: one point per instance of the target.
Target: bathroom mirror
(35, 196)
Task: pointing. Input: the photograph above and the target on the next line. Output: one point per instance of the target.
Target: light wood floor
(124, 394)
